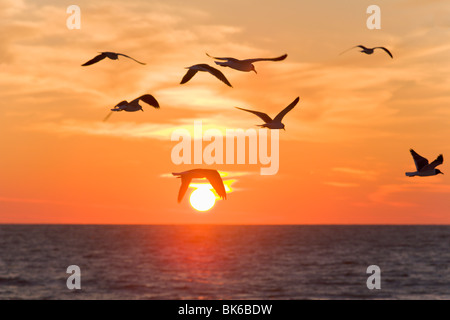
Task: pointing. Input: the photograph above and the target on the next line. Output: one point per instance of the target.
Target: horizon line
(223, 224)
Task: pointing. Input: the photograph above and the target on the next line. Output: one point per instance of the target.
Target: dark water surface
(224, 262)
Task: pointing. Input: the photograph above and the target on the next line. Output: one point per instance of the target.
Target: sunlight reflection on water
(224, 262)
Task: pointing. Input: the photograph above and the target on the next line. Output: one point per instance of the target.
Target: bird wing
(388, 52)
(216, 181)
(98, 58)
(439, 160)
(121, 104)
(148, 98)
(107, 117)
(185, 182)
(262, 115)
(223, 58)
(418, 160)
(280, 116)
(280, 58)
(121, 54)
(217, 73)
(362, 47)
(188, 76)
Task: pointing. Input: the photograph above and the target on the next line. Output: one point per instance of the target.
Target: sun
(202, 199)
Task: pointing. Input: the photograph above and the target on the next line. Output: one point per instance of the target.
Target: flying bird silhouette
(425, 169)
(276, 122)
(243, 65)
(370, 50)
(213, 177)
(134, 105)
(110, 55)
(207, 68)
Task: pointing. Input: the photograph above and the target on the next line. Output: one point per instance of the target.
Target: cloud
(128, 129)
(121, 130)
(362, 174)
(337, 95)
(10, 8)
(44, 77)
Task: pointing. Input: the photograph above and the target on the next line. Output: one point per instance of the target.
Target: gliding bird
(207, 68)
(276, 122)
(370, 50)
(212, 175)
(243, 65)
(110, 55)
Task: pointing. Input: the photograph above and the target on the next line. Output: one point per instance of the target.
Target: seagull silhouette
(243, 65)
(134, 105)
(110, 55)
(370, 50)
(212, 175)
(424, 169)
(276, 122)
(207, 68)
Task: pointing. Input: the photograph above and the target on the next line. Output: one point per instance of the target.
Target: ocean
(224, 262)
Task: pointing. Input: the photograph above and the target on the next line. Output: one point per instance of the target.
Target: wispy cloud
(123, 130)
(127, 130)
(358, 173)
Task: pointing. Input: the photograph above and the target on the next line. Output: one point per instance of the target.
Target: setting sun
(202, 199)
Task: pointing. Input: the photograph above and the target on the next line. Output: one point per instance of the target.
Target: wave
(14, 281)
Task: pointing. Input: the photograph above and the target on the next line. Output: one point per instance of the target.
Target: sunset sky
(344, 153)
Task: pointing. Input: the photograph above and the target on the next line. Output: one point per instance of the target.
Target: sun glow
(202, 199)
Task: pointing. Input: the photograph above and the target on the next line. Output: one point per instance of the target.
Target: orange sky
(343, 154)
